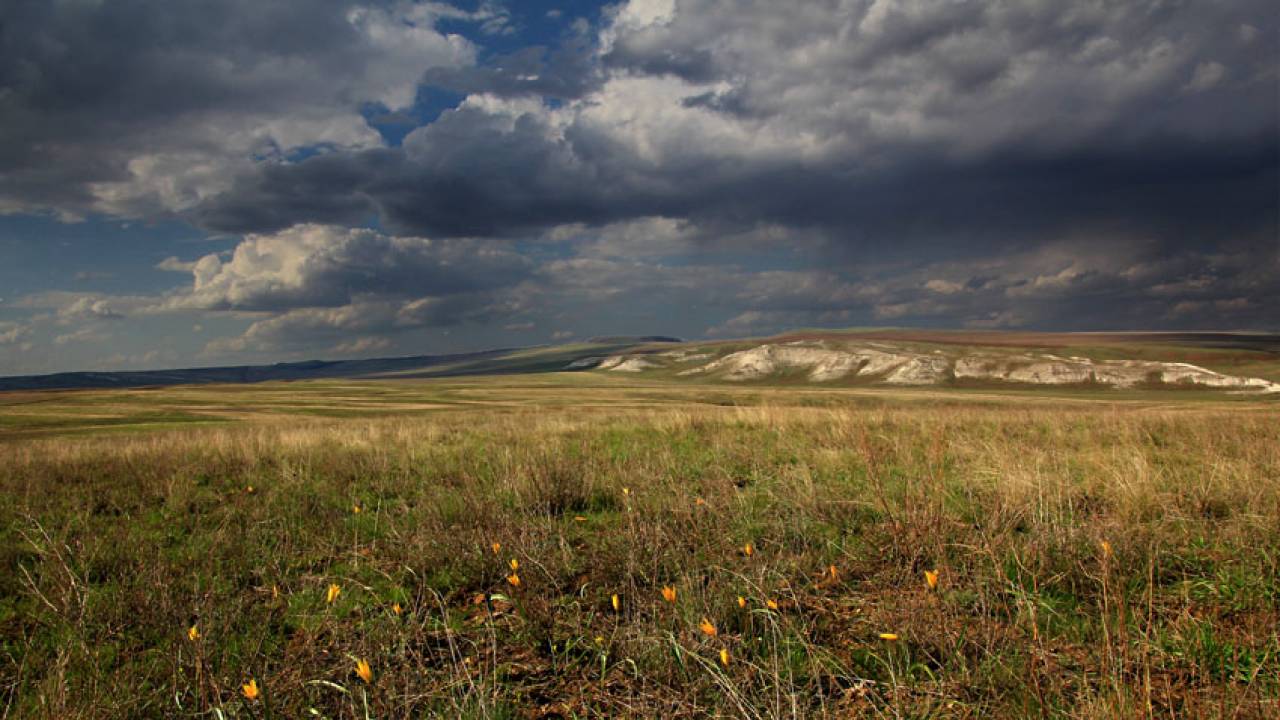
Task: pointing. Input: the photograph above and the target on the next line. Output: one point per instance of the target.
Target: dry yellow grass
(116, 546)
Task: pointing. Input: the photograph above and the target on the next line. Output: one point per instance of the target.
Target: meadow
(576, 546)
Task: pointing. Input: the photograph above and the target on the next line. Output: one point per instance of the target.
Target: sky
(223, 182)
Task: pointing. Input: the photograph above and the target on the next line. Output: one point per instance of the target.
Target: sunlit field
(574, 546)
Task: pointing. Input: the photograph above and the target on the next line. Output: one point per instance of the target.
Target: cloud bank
(1058, 165)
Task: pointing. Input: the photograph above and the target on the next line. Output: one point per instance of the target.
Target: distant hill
(543, 358)
(1234, 361)
(305, 370)
(632, 339)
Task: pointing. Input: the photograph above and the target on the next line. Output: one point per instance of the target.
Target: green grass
(116, 538)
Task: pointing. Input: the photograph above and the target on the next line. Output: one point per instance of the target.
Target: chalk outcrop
(882, 363)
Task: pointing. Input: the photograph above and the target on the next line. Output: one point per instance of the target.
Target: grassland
(1097, 554)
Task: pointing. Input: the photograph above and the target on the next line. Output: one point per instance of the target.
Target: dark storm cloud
(949, 127)
(102, 101)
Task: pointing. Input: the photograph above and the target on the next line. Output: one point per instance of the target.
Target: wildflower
(334, 591)
(275, 592)
(514, 579)
(748, 550)
(742, 602)
(699, 502)
(193, 633)
(931, 579)
(1106, 548)
(707, 628)
(355, 508)
(668, 593)
(364, 671)
(579, 518)
(600, 640)
(724, 657)
(248, 489)
(889, 636)
(616, 602)
(397, 609)
(626, 491)
(496, 547)
(771, 604)
(514, 563)
(835, 574)
(250, 689)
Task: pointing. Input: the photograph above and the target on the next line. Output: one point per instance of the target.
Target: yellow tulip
(364, 671)
(707, 628)
(514, 579)
(248, 489)
(397, 609)
(617, 604)
(699, 502)
(834, 573)
(496, 547)
(193, 633)
(275, 592)
(771, 604)
(889, 636)
(931, 579)
(355, 508)
(250, 689)
(1106, 548)
(748, 550)
(514, 563)
(724, 657)
(668, 593)
(579, 518)
(742, 602)
(334, 591)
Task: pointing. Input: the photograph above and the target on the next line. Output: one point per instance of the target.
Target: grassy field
(508, 547)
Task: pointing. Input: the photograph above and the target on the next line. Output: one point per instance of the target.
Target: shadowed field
(584, 546)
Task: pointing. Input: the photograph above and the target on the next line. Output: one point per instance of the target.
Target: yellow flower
(248, 489)
(669, 593)
(748, 550)
(771, 604)
(889, 636)
(626, 491)
(514, 579)
(1106, 548)
(617, 604)
(834, 573)
(364, 671)
(355, 508)
(275, 592)
(707, 628)
(250, 689)
(600, 640)
(742, 602)
(724, 657)
(193, 633)
(931, 579)
(334, 591)
(579, 518)
(699, 502)
(514, 563)
(497, 546)
(397, 609)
